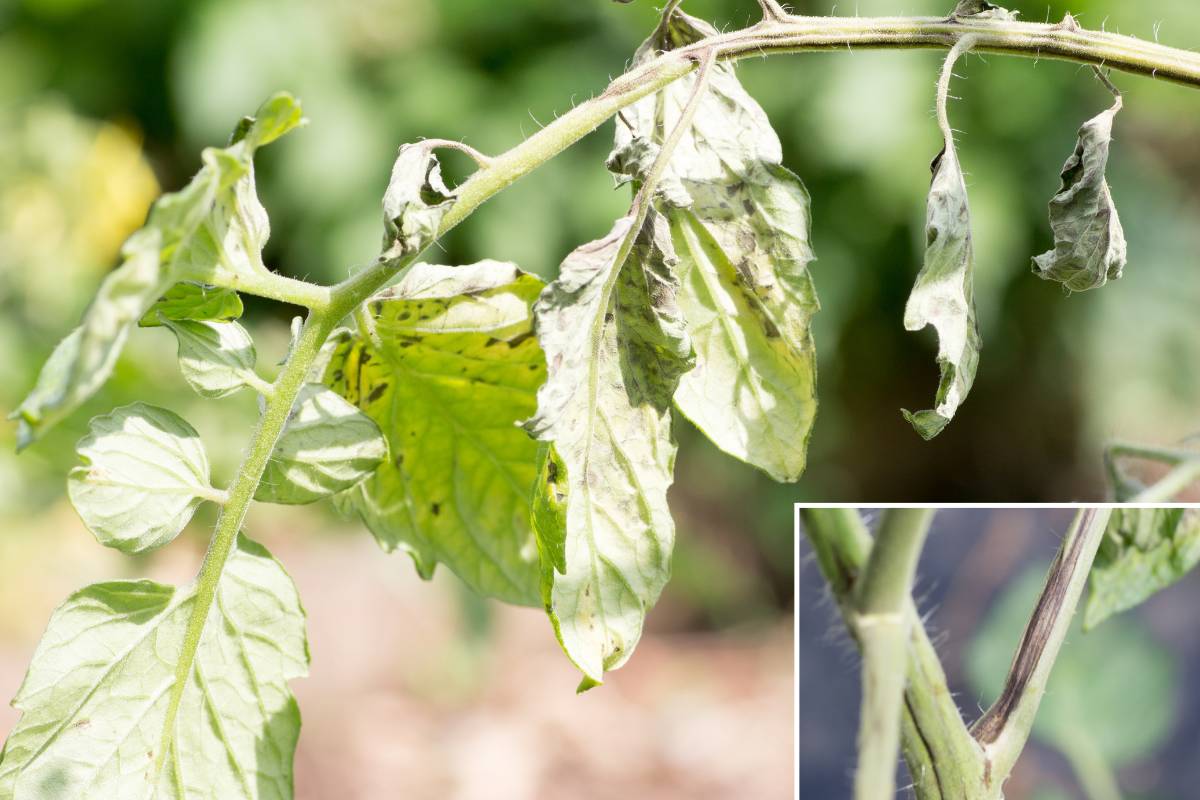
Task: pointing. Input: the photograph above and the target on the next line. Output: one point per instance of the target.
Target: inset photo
(1019, 653)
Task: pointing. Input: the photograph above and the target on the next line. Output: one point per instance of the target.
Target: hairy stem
(1005, 727)
(882, 625)
(275, 415)
(792, 34)
(943, 760)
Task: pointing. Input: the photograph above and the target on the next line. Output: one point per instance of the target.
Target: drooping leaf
(455, 369)
(1089, 243)
(740, 224)
(194, 301)
(144, 472)
(615, 345)
(943, 295)
(216, 358)
(212, 230)
(415, 201)
(94, 702)
(327, 447)
(981, 9)
(1144, 551)
(1111, 690)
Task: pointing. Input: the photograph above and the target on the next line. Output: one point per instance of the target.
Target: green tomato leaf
(1089, 243)
(1114, 686)
(144, 472)
(454, 368)
(615, 346)
(1144, 551)
(216, 358)
(327, 447)
(94, 702)
(212, 230)
(943, 295)
(194, 301)
(415, 202)
(740, 223)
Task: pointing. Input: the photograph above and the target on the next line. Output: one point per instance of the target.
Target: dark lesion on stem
(1037, 634)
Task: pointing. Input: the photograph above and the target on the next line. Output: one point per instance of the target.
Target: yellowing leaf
(454, 369)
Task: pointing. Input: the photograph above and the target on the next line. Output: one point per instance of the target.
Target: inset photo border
(1029, 653)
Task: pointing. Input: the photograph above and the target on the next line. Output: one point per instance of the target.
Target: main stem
(882, 626)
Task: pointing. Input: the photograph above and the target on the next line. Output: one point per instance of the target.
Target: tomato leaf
(1089, 243)
(94, 702)
(1144, 551)
(740, 225)
(615, 346)
(144, 473)
(452, 371)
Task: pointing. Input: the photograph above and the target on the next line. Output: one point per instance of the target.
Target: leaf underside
(144, 473)
(216, 358)
(944, 295)
(740, 223)
(94, 702)
(455, 369)
(615, 346)
(327, 447)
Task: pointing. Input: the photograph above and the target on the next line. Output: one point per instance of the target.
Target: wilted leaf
(213, 227)
(94, 702)
(144, 472)
(216, 358)
(1112, 688)
(456, 369)
(615, 347)
(1089, 243)
(194, 301)
(415, 201)
(943, 295)
(1144, 551)
(740, 224)
(327, 447)
(982, 9)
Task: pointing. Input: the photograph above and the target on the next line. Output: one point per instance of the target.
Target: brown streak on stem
(1037, 634)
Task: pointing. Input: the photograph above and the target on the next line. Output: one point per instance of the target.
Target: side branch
(1004, 729)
